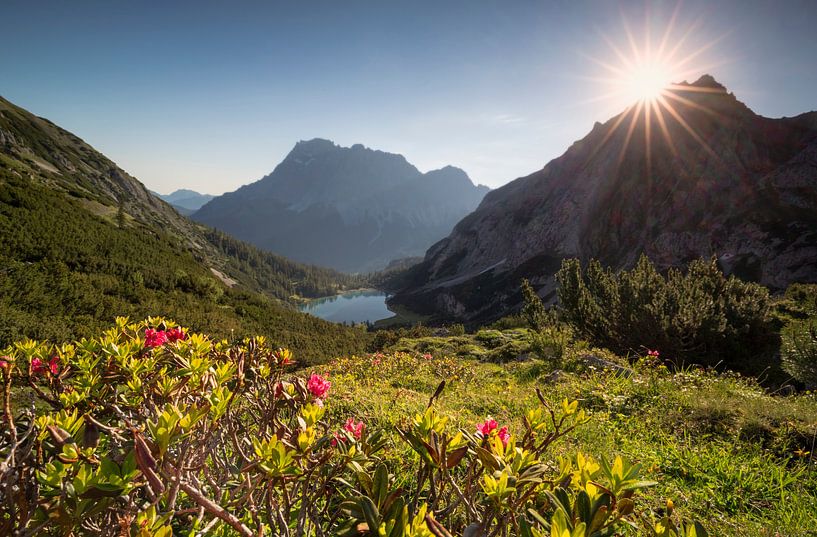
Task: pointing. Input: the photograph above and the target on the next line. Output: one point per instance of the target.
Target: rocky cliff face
(695, 174)
(353, 209)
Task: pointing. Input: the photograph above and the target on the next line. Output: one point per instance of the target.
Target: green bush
(799, 351)
(697, 316)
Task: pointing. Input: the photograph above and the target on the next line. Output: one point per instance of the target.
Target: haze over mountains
(184, 200)
(715, 179)
(353, 209)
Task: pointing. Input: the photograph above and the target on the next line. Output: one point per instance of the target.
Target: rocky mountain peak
(702, 176)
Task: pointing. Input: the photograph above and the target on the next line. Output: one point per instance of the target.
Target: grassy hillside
(719, 446)
(82, 242)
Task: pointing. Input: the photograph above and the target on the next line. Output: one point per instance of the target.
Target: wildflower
(484, 429)
(427, 356)
(355, 428)
(490, 425)
(653, 353)
(350, 426)
(318, 386)
(175, 334)
(38, 366)
(155, 338)
(375, 362)
(504, 435)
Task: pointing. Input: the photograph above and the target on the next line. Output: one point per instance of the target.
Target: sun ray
(668, 31)
(659, 115)
(630, 129)
(681, 121)
(648, 135)
(692, 104)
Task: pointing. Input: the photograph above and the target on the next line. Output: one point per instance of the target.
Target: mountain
(82, 242)
(354, 209)
(185, 201)
(696, 174)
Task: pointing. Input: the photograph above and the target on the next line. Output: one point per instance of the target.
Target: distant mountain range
(697, 174)
(185, 201)
(82, 242)
(353, 209)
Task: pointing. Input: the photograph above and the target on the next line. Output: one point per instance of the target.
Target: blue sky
(212, 95)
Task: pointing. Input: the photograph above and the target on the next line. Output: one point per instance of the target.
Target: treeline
(66, 273)
(279, 275)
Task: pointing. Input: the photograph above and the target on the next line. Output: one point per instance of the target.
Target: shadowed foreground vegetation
(149, 430)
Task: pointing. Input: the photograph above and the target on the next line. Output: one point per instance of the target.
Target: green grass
(720, 447)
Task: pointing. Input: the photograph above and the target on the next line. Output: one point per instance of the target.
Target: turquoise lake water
(352, 307)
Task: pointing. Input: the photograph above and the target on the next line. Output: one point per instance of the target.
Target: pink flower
(318, 386)
(350, 426)
(4, 362)
(155, 338)
(504, 435)
(175, 334)
(355, 428)
(54, 365)
(489, 426)
(427, 356)
(484, 429)
(653, 353)
(375, 362)
(38, 366)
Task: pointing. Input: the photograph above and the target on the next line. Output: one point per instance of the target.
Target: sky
(213, 95)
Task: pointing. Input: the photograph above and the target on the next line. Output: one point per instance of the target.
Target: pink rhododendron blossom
(350, 426)
(318, 386)
(484, 429)
(155, 338)
(175, 334)
(653, 353)
(54, 365)
(489, 426)
(355, 428)
(38, 366)
(4, 362)
(504, 435)
(427, 356)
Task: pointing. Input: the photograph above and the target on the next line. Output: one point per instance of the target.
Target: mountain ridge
(705, 187)
(351, 208)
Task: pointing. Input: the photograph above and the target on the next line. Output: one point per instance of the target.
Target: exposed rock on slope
(697, 174)
(353, 209)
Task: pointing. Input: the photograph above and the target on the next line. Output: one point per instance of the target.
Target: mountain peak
(708, 81)
(314, 145)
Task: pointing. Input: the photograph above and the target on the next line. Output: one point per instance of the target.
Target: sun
(646, 82)
(647, 79)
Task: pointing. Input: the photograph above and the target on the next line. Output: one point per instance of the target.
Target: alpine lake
(367, 305)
